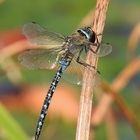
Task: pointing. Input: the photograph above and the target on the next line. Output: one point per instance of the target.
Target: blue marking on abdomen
(64, 64)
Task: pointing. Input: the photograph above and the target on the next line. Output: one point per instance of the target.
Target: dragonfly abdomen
(64, 64)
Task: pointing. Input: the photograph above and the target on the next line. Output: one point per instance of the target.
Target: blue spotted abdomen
(64, 64)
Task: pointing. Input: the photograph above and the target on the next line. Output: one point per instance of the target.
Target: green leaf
(10, 126)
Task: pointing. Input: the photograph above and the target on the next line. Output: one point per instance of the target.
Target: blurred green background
(64, 17)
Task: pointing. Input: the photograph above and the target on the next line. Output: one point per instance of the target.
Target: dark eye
(92, 37)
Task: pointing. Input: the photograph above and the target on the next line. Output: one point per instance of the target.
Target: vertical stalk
(84, 118)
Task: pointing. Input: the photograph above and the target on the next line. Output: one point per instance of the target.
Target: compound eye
(92, 37)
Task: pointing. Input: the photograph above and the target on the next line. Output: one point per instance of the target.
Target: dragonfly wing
(73, 73)
(38, 59)
(40, 36)
(104, 49)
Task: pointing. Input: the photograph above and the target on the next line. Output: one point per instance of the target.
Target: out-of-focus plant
(133, 41)
(11, 129)
(8, 124)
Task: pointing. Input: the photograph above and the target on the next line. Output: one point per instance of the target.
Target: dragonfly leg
(98, 43)
(83, 63)
(94, 51)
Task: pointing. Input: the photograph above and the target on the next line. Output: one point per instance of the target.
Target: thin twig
(111, 126)
(83, 126)
(133, 41)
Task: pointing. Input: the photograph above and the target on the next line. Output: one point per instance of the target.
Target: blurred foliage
(10, 126)
(64, 17)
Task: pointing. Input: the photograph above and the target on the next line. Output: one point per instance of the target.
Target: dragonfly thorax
(88, 33)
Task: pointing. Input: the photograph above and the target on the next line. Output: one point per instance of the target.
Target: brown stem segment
(83, 126)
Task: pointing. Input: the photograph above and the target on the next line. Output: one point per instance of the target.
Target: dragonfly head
(88, 33)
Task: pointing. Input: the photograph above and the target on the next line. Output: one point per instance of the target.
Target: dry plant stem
(124, 108)
(119, 83)
(133, 41)
(111, 126)
(84, 118)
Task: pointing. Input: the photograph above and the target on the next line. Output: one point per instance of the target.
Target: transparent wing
(40, 36)
(38, 59)
(74, 74)
(104, 49)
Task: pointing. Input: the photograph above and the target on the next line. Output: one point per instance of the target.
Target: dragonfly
(58, 50)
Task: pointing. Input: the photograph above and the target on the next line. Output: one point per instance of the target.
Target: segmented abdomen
(48, 98)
